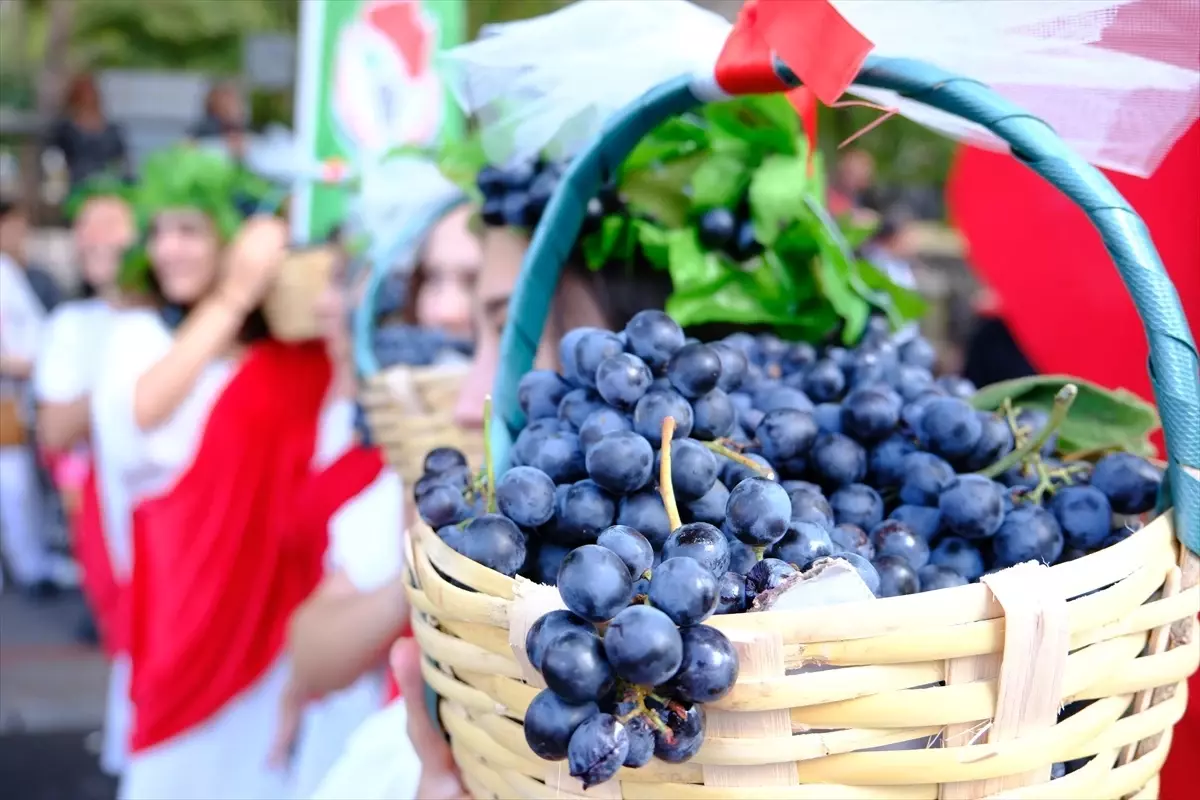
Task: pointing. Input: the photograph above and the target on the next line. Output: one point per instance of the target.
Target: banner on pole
(367, 84)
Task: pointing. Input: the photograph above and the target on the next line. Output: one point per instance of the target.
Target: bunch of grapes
(414, 346)
(731, 233)
(517, 197)
(778, 457)
(628, 665)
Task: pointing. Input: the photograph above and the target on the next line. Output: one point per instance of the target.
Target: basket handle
(415, 230)
(1174, 364)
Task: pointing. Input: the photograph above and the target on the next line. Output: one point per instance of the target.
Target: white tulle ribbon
(549, 83)
(391, 196)
(1117, 79)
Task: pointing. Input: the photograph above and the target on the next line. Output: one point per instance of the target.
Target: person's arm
(339, 633)
(208, 331)
(252, 261)
(60, 426)
(16, 367)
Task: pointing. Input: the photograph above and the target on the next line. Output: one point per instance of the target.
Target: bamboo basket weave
(952, 694)
(409, 410)
(290, 306)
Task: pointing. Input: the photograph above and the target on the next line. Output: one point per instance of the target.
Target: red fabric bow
(811, 37)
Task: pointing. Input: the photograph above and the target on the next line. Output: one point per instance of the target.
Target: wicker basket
(289, 306)
(948, 694)
(410, 410)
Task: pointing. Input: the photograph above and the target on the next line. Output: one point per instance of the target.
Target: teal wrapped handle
(1174, 365)
(406, 245)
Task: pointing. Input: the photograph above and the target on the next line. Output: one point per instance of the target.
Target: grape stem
(1062, 404)
(665, 487)
(488, 465)
(745, 461)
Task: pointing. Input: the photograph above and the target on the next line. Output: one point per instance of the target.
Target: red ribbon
(811, 37)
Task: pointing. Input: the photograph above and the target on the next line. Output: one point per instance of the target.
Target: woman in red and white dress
(64, 377)
(222, 456)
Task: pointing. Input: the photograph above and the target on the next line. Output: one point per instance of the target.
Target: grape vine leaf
(706, 287)
(1100, 419)
(761, 124)
(719, 182)
(777, 191)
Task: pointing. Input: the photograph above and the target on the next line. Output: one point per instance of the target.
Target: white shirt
(22, 318)
(73, 344)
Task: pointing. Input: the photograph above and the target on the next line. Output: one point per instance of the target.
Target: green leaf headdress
(187, 177)
(103, 185)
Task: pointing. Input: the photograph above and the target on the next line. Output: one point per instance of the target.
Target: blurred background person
(66, 372)
(852, 184)
(224, 119)
(89, 143)
(22, 320)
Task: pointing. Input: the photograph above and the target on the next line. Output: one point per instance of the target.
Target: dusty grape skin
(758, 511)
(644, 512)
(597, 749)
(803, 543)
(641, 742)
(495, 542)
(621, 462)
(526, 496)
(693, 469)
(709, 667)
(595, 583)
(575, 667)
(731, 594)
(550, 721)
(684, 590)
(629, 544)
(643, 645)
(546, 628)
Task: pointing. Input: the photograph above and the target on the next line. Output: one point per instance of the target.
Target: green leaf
(653, 241)
(719, 182)
(1100, 419)
(600, 246)
(659, 192)
(709, 288)
(676, 138)
(907, 304)
(835, 286)
(763, 124)
(777, 191)
(857, 231)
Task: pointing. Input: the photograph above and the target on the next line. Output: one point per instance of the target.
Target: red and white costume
(217, 521)
(366, 545)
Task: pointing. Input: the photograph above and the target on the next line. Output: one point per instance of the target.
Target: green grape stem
(1062, 404)
(745, 461)
(665, 487)
(488, 464)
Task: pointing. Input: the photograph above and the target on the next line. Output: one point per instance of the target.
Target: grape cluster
(414, 346)
(733, 234)
(627, 666)
(517, 196)
(786, 454)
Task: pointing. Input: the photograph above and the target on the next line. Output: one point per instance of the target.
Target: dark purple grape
(758, 511)
(641, 742)
(693, 469)
(702, 542)
(733, 366)
(786, 433)
(959, 555)
(933, 577)
(734, 472)
(1130, 482)
(540, 392)
(1028, 533)
(599, 423)
(803, 543)
(717, 229)
(857, 504)
(709, 666)
(443, 459)
(595, 583)
(766, 575)
(972, 507)
(550, 721)
(886, 461)
(441, 505)
(896, 576)
(644, 511)
(591, 349)
(950, 428)
(526, 496)
(546, 628)
(622, 380)
(869, 415)
(560, 456)
(731, 592)
(892, 538)
(865, 569)
(684, 590)
(655, 406)
(495, 542)
(713, 416)
(1084, 514)
(919, 352)
(708, 508)
(630, 546)
(924, 521)
(780, 398)
(828, 417)
(687, 733)
(549, 558)
(597, 749)
(566, 353)
(583, 510)
(621, 462)
(837, 460)
(853, 539)
(824, 382)
(643, 645)
(995, 442)
(654, 337)
(575, 667)
(694, 370)
(742, 557)
(925, 477)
